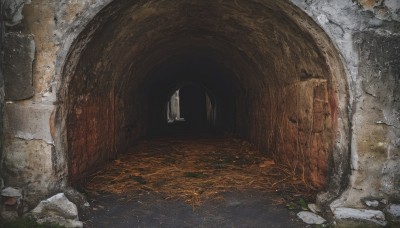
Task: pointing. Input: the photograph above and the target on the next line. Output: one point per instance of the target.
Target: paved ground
(238, 209)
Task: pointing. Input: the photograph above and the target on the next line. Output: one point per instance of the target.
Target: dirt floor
(217, 181)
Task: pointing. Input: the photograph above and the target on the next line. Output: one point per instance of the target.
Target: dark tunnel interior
(196, 75)
(268, 71)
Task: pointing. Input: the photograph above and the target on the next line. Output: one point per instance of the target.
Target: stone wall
(367, 35)
(350, 71)
(185, 37)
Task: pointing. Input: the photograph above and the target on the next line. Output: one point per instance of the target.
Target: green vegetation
(300, 205)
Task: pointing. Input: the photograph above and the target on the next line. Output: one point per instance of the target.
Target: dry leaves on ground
(194, 170)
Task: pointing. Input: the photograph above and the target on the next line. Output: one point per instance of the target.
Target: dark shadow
(207, 94)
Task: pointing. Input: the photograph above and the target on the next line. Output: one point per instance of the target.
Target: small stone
(384, 201)
(314, 208)
(59, 205)
(360, 214)
(57, 210)
(394, 211)
(372, 203)
(19, 55)
(11, 192)
(310, 218)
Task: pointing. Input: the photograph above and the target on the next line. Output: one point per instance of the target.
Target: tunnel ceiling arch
(282, 75)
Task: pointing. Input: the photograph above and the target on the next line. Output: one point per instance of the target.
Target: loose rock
(374, 216)
(11, 192)
(12, 206)
(394, 211)
(57, 210)
(60, 205)
(310, 218)
(372, 203)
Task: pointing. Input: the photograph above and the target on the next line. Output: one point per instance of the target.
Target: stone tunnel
(125, 72)
(315, 84)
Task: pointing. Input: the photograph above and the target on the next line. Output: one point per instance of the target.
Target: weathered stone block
(28, 121)
(374, 216)
(28, 151)
(19, 52)
(12, 11)
(27, 164)
(377, 118)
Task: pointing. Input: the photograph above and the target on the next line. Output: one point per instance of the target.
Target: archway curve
(274, 49)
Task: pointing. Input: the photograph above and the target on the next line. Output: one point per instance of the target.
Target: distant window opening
(174, 109)
(191, 104)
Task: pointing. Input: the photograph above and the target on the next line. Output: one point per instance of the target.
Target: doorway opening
(191, 109)
(174, 108)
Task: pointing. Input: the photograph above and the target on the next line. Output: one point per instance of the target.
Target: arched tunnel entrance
(271, 75)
